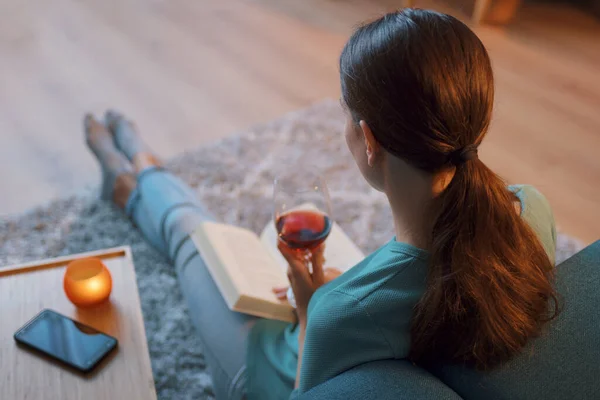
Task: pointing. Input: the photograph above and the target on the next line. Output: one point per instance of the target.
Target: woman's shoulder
(380, 298)
(530, 195)
(365, 317)
(394, 264)
(537, 212)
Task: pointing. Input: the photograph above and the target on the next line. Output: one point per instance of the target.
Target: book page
(340, 250)
(251, 268)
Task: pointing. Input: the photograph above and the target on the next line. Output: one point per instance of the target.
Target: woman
(468, 276)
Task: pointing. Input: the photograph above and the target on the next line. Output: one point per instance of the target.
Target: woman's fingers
(281, 292)
(282, 296)
(291, 256)
(297, 265)
(298, 270)
(317, 260)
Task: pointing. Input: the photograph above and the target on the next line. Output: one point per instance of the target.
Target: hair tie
(466, 153)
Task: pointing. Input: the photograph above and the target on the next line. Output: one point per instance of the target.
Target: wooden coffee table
(27, 289)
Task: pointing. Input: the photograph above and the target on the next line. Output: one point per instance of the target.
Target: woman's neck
(409, 225)
(409, 196)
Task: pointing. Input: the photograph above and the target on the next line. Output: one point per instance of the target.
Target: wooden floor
(190, 72)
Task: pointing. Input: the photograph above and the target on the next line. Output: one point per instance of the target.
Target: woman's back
(364, 315)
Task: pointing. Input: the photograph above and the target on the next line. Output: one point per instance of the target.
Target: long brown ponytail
(423, 82)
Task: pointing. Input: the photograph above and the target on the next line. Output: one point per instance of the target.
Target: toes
(111, 118)
(88, 119)
(114, 120)
(91, 124)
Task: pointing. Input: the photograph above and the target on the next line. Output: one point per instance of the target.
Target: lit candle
(87, 282)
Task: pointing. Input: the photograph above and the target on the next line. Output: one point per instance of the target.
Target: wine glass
(302, 209)
(302, 212)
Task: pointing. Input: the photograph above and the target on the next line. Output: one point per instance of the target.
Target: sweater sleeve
(538, 214)
(340, 334)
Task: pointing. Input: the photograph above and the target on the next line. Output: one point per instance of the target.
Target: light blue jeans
(166, 210)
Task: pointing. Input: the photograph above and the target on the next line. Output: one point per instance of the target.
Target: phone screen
(69, 341)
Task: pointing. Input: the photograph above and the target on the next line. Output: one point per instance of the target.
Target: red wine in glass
(303, 229)
(302, 208)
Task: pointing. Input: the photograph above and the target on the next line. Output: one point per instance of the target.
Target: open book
(246, 267)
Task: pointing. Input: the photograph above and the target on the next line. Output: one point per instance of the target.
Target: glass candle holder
(87, 282)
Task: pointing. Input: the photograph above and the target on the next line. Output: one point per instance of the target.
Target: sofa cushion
(382, 380)
(562, 363)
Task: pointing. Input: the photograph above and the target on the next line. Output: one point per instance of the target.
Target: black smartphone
(63, 339)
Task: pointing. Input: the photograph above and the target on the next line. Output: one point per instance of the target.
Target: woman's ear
(372, 147)
(441, 180)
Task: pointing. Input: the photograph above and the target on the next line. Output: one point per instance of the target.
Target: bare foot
(113, 164)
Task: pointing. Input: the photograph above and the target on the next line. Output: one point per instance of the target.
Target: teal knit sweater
(364, 315)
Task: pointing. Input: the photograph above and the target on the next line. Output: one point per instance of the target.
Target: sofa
(563, 363)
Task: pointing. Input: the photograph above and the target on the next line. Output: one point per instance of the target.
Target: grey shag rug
(234, 177)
